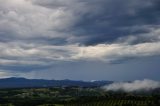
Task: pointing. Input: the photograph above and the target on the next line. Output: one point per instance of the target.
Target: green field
(116, 103)
(76, 96)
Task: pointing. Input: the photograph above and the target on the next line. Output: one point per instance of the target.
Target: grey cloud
(88, 22)
(39, 33)
(151, 35)
(22, 20)
(106, 19)
(15, 54)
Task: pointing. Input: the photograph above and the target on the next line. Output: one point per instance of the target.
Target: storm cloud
(37, 34)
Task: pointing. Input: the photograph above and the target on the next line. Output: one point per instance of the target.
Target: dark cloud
(106, 20)
(89, 22)
(39, 34)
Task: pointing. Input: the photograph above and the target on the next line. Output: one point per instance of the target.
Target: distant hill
(14, 82)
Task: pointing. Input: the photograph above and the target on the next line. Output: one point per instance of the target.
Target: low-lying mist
(137, 85)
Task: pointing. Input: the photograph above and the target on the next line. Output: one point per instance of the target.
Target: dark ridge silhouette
(14, 82)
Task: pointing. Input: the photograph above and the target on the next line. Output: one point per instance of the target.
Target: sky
(115, 40)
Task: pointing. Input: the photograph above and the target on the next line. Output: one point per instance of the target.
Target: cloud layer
(76, 21)
(137, 85)
(36, 34)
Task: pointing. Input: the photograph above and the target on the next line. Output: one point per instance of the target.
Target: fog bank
(136, 85)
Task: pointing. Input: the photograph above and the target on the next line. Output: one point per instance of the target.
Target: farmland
(76, 96)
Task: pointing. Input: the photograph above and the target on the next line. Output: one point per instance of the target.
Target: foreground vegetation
(76, 96)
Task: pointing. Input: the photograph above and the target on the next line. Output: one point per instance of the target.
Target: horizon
(118, 81)
(80, 39)
(52, 79)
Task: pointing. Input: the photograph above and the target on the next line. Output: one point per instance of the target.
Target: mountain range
(15, 82)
